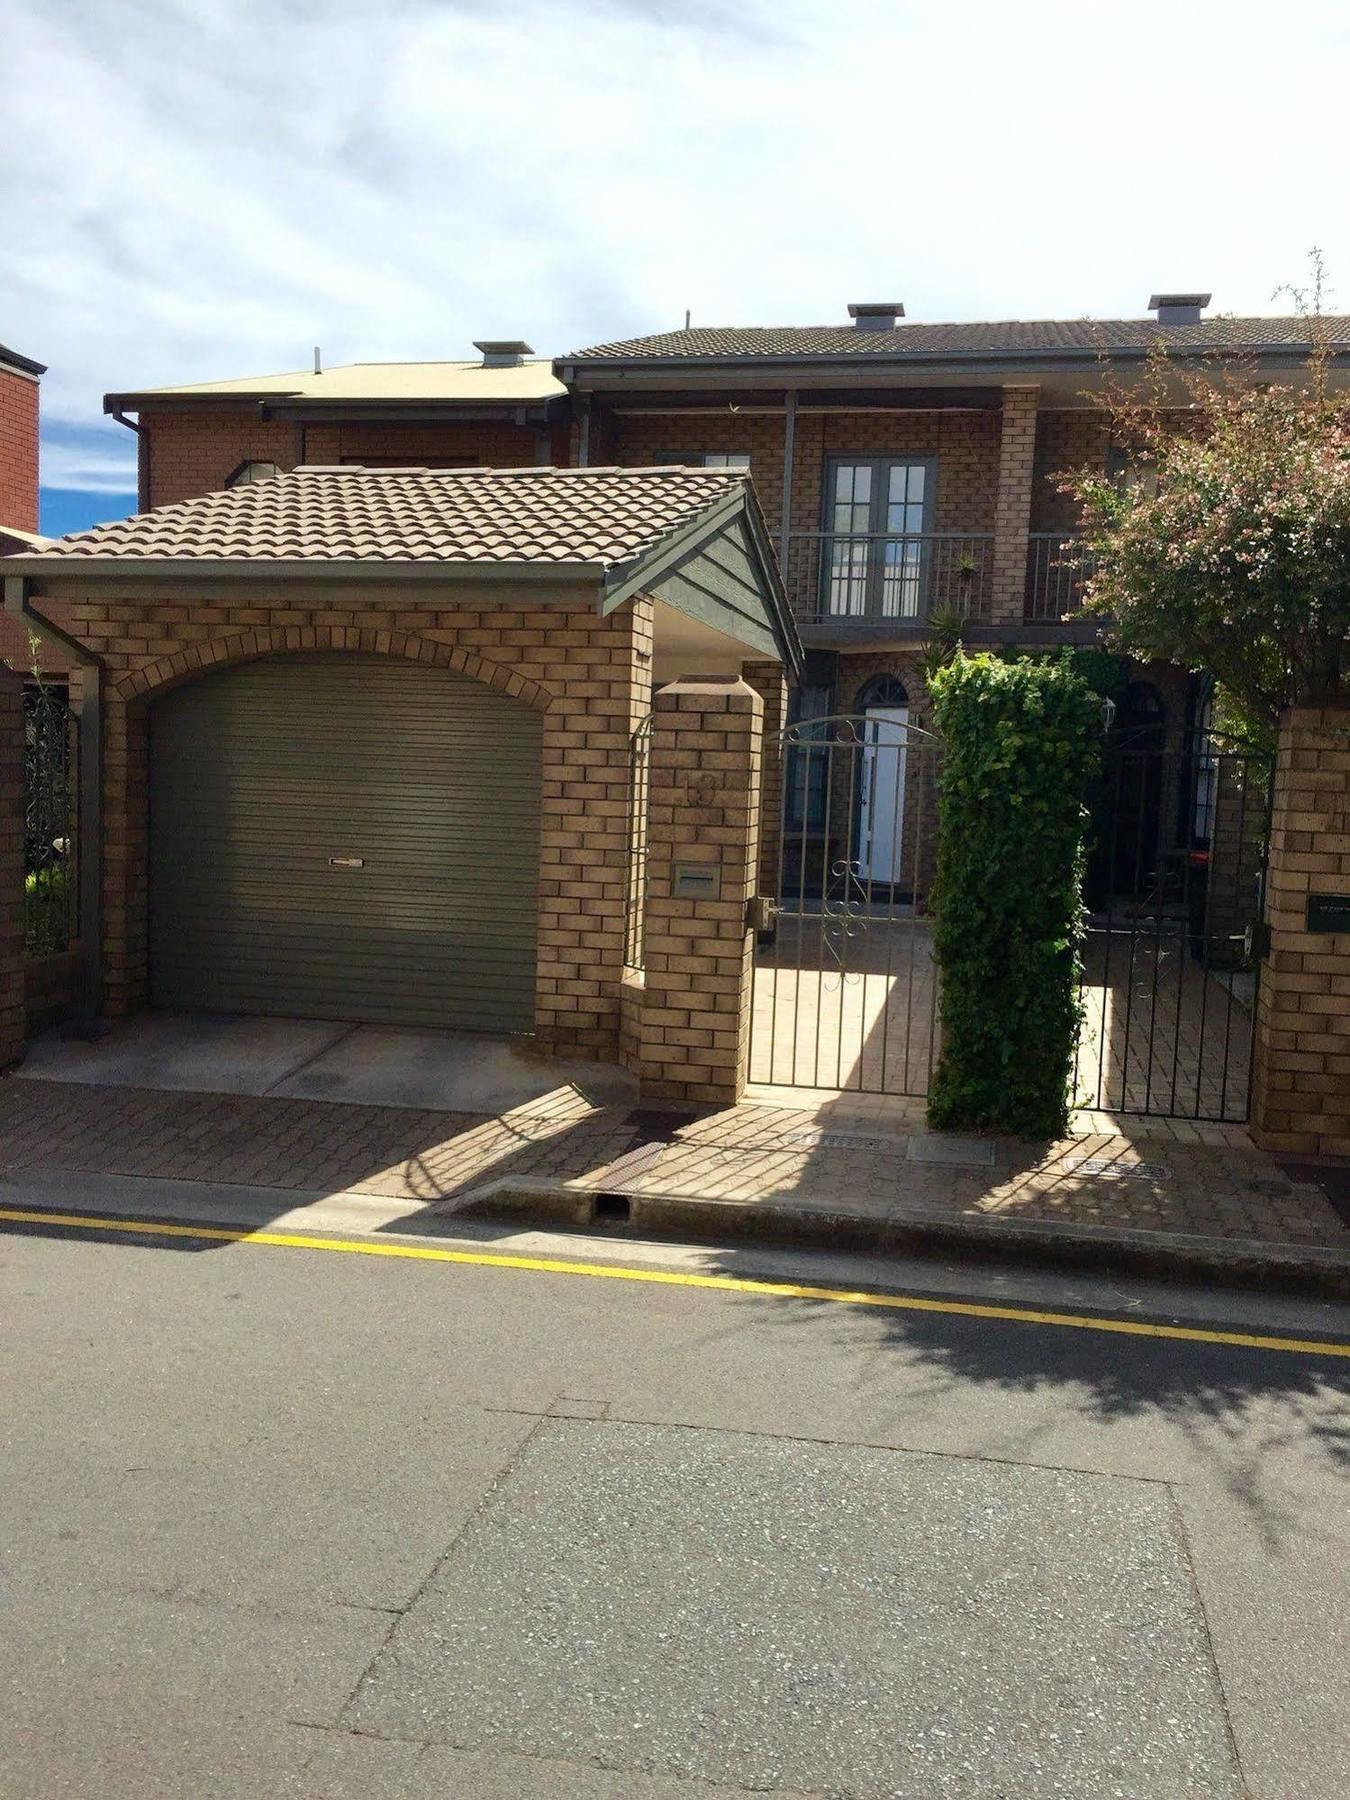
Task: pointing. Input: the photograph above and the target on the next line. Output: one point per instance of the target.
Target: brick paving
(860, 1155)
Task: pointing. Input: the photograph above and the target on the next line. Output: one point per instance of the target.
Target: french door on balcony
(876, 514)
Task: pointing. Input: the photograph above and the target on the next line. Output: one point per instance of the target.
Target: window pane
(852, 496)
(705, 459)
(904, 492)
(249, 472)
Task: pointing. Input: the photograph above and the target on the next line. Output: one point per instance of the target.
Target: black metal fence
(888, 578)
(1058, 568)
(50, 820)
(1177, 858)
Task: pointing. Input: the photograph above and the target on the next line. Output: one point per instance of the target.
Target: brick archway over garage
(247, 646)
(588, 677)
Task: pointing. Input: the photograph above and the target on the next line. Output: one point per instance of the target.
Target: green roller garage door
(345, 837)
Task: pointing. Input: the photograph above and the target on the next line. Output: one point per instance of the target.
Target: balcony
(1057, 571)
(884, 580)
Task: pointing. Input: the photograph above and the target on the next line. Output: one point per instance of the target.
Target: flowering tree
(1234, 556)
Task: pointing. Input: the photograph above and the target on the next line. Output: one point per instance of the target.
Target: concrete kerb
(807, 1224)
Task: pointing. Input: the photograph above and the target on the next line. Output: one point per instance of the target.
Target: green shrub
(1022, 741)
(47, 910)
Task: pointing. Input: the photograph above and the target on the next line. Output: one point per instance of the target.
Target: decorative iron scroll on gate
(1177, 856)
(50, 820)
(845, 989)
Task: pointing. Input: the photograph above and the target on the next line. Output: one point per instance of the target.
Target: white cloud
(201, 188)
(97, 460)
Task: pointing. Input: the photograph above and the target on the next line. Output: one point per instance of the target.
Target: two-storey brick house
(904, 467)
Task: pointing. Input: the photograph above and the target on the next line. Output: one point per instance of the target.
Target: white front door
(881, 810)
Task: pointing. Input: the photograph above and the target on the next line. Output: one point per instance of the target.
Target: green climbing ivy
(1022, 742)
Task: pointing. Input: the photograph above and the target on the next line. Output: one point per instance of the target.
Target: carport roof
(595, 518)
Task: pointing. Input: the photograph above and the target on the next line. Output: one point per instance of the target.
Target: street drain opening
(612, 1209)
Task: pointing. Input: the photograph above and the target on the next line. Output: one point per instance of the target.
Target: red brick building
(19, 378)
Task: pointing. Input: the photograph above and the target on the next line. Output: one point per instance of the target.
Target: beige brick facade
(1012, 518)
(11, 869)
(1301, 1091)
(687, 1032)
(588, 677)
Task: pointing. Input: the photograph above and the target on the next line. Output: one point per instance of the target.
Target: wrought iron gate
(845, 992)
(846, 987)
(50, 819)
(1177, 856)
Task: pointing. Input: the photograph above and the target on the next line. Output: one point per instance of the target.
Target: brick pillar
(1301, 1088)
(769, 680)
(11, 868)
(691, 1035)
(1012, 516)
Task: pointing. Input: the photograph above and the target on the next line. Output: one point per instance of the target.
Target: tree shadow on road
(1247, 1418)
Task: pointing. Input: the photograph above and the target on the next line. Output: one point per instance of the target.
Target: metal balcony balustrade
(850, 579)
(1058, 569)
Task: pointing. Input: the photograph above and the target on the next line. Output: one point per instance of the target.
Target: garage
(345, 837)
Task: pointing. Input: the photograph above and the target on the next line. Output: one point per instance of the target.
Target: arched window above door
(882, 690)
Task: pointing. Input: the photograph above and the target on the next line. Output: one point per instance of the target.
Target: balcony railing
(871, 578)
(1058, 568)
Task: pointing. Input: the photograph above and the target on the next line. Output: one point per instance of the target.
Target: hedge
(1022, 742)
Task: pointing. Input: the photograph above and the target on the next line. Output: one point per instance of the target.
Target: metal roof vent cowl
(876, 315)
(502, 353)
(1178, 309)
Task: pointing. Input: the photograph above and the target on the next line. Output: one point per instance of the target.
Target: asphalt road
(286, 1521)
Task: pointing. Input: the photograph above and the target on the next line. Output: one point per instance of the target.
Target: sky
(198, 189)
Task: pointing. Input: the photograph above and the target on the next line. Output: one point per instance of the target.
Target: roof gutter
(19, 606)
(142, 458)
(68, 567)
(571, 371)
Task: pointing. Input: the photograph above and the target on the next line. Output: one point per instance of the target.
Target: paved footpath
(868, 1165)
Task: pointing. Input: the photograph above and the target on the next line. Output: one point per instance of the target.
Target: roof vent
(502, 353)
(1178, 309)
(875, 315)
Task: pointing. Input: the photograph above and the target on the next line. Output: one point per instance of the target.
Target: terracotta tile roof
(1015, 337)
(604, 517)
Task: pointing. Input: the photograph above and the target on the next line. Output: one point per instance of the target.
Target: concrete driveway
(319, 1059)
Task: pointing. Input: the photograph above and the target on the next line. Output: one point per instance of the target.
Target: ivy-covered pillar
(1020, 742)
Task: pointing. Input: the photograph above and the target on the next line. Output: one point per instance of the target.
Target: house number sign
(1329, 912)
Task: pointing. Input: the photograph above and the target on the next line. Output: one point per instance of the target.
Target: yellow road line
(730, 1284)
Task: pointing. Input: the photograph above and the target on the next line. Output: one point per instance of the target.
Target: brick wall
(18, 451)
(19, 497)
(588, 677)
(1012, 516)
(769, 680)
(687, 1030)
(1064, 441)
(965, 445)
(196, 452)
(11, 870)
(1301, 1089)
